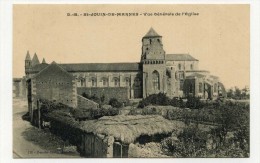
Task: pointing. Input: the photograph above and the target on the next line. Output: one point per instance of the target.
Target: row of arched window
(180, 66)
(153, 62)
(104, 82)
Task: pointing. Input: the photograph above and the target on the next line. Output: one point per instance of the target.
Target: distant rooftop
(180, 57)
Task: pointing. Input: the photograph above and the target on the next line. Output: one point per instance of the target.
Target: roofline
(108, 71)
(97, 63)
(53, 63)
(151, 36)
(182, 60)
(197, 71)
(93, 70)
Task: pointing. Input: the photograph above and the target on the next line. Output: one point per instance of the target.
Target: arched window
(179, 66)
(215, 87)
(200, 88)
(82, 82)
(137, 82)
(104, 82)
(116, 82)
(156, 81)
(191, 66)
(93, 82)
(127, 82)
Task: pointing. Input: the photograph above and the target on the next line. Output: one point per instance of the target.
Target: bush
(189, 143)
(192, 142)
(93, 97)
(98, 113)
(161, 99)
(177, 102)
(26, 117)
(155, 99)
(115, 103)
(194, 102)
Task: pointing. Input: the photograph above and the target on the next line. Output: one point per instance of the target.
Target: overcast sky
(218, 37)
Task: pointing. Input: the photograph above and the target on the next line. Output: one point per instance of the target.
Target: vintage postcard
(131, 81)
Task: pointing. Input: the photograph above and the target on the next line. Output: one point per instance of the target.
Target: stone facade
(156, 72)
(120, 93)
(19, 87)
(53, 84)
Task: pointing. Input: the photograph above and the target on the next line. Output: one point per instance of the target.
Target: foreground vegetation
(228, 138)
(228, 135)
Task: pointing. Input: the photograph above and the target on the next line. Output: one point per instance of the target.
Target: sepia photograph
(131, 81)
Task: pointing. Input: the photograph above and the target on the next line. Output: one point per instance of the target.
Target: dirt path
(23, 132)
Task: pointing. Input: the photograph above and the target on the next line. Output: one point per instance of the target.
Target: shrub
(194, 102)
(189, 143)
(177, 102)
(85, 95)
(155, 99)
(115, 103)
(93, 97)
(98, 113)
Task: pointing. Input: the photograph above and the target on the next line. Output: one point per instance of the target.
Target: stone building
(52, 83)
(19, 87)
(177, 75)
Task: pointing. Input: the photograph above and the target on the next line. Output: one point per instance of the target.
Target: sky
(219, 37)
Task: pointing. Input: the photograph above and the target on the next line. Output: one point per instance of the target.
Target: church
(176, 75)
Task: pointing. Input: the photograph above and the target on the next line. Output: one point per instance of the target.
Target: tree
(230, 93)
(237, 93)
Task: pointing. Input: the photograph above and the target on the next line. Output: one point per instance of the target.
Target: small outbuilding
(110, 136)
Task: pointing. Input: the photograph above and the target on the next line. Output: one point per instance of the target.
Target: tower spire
(35, 60)
(43, 61)
(28, 57)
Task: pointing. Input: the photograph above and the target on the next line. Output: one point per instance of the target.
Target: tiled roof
(196, 75)
(97, 67)
(93, 67)
(214, 77)
(152, 33)
(180, 57)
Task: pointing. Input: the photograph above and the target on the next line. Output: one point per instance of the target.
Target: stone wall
(19, 87)
(120, 150)
(84, 103)
(120, 93)
(96, 146)
(54, 84)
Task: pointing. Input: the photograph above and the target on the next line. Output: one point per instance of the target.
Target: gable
(52, 72)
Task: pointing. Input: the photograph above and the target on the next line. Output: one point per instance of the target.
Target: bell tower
(28, 64)
(153, 63)
(152, 47)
